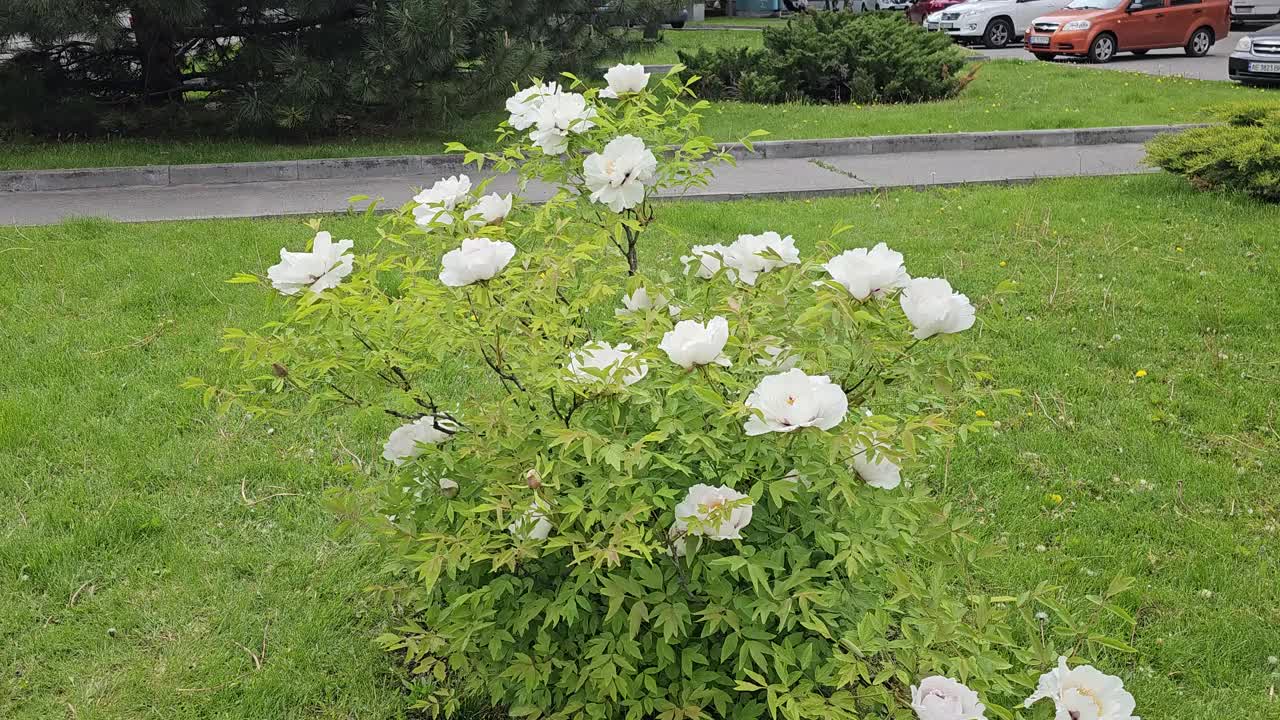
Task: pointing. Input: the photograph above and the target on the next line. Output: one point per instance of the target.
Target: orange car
(1099, 29)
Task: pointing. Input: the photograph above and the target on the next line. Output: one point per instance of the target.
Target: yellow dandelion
(1004, 264)
(1056, 498)
(980, 413)
(1140, 374)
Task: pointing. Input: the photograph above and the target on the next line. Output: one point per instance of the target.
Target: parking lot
(1158, 62)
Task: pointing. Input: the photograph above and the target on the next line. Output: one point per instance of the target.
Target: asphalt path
(1172, 62)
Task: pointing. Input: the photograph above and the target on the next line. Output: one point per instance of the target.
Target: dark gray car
(1257, 57)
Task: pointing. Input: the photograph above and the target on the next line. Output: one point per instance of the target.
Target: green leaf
(1113, 643)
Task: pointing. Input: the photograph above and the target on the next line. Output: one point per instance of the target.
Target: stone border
(411, 165)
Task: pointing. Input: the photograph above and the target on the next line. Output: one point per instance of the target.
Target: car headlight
(1077, 25)
(1245, 44)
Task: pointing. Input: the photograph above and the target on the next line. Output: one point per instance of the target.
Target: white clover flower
(933, 307)
(640, 301)
(321, 269)
(476, 259)
(523, 106)
(532, 525)
(556, 117)
(601, 362)
(437, 203)
(780, 358)
(701, 502)
(692, 343)
(868, 273)
(624, 79)
(708, 258)
(618, 175)
(880, 472)
(491, 209)
(745, 256)
(1084, 693)
(792, 400)
(941, 698)
(409, 440)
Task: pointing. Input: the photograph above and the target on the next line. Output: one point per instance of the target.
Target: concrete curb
(412, 165)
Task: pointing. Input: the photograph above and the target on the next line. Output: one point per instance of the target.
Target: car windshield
(1094, 4)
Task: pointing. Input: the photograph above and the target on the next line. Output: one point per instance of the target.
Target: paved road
(1158, 62)
(773, 177)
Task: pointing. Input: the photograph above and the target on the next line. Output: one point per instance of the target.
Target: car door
(1141, 25)
(1184, 16)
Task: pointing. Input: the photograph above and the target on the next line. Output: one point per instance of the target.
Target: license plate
(931, 26)
(1039, 39)
(950, 26)
(1264, 67)
(1243, 10)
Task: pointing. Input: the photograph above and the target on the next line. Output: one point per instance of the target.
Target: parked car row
(1096, 29)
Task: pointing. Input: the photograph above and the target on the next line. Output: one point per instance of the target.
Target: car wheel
(1103, 48)
(1140, 53)
(1047, 57)
(999, 33)
(1200, 43)
(677, 25)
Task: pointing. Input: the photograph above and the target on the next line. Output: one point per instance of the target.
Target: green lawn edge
(1006, 95)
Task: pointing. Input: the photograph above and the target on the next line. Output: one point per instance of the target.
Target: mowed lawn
(1006, 95)
(160, 562)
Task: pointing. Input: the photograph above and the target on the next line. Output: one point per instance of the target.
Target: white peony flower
(321, 269)
(532, 525)
(1084, 693)
(792, 400)
(557, 116)
(745, 258)
(708, 258)
(941, 698)
(693, 343)
(596, 358)
(933, 307)
(523, 106)
(491, 209)
(448, 487)
(780, 358)
(701, 502)
(436, 204)
(476, 259)
(624, 79)
(640, 301)
(407, 441)
(868, 273)
(617, 176)
(880, 473)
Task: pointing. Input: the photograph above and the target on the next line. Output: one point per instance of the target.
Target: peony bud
(533, 479)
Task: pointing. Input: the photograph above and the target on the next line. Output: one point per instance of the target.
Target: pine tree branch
(254, 29)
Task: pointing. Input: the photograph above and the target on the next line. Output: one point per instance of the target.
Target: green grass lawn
(1007, 95)
(743, 21)
(150, 552)
(663, 52)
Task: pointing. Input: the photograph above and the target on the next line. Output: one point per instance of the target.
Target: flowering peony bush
(618, 483)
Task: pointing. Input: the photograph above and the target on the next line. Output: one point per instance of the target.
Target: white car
(994, 23)
(1255, 13)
